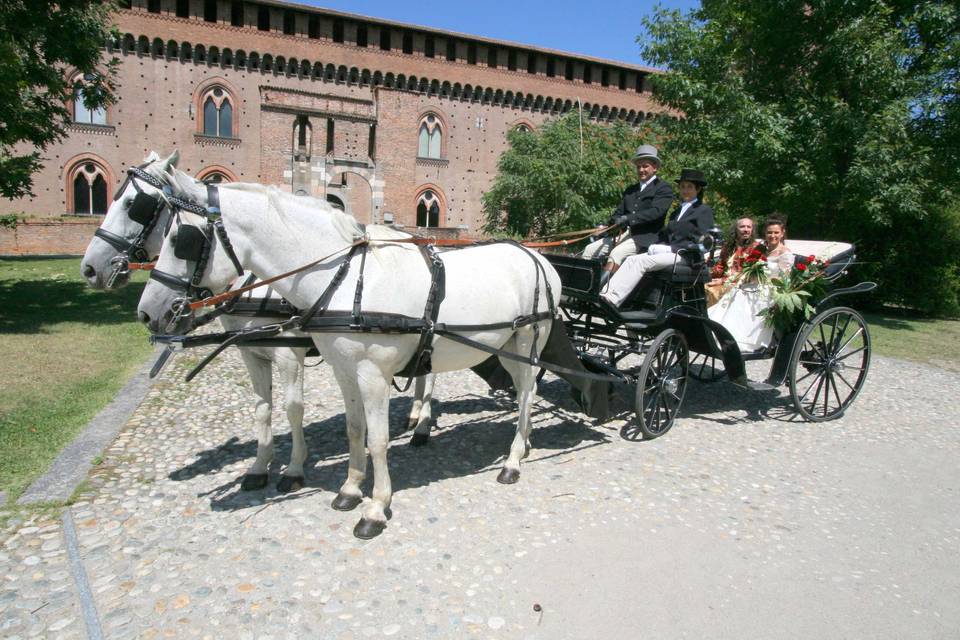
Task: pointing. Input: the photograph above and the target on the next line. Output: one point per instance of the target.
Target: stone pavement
(739, 523)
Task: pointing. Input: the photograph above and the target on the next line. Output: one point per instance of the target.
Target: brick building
(394, 122)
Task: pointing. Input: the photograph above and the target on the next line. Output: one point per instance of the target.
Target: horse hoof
(508, 476)
(419, 439)
(367, 529)
(345, 503)
(288, 484)
(254, 481)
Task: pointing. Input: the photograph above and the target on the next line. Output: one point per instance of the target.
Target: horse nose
(89, 271)
(143, 317)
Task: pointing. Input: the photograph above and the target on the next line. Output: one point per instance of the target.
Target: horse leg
(350, 494)
(375, 391)
(421, 414)
(524, 381)
(290, 363)
(260, 371)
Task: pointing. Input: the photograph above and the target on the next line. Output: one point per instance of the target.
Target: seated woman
(740, 241)
(688, 222)
(739, 308)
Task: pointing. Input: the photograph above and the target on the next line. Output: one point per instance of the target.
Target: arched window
(89, 187)
(217, 106)
(80, 111)
(430, 137)
(215, 174)
(428, 209)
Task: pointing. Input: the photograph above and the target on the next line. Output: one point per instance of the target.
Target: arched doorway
(354, 193)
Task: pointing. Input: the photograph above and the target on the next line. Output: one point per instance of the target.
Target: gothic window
(217, 107)
(428, 209)
(80, 111)
(430, 137)
(89, 187)
(215, 177)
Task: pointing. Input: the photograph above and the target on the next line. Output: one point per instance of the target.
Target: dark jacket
(687, 231)
(645, 211)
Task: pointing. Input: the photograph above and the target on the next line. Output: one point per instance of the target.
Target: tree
(40, 41)
(548, 181)
(842, 115)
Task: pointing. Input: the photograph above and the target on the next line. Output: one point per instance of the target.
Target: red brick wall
(48, 237)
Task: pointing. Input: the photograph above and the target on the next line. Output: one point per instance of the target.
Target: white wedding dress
(738, 310)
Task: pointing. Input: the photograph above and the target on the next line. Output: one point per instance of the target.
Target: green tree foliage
(40, 42)
(842, 115)
(548, 182)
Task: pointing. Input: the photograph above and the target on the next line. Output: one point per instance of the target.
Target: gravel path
(738, 523)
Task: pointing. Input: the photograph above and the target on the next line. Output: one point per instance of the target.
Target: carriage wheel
(706, 368)
(829, 363)
(660, 386)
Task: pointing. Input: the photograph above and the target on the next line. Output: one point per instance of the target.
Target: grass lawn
(67, 350)
(931, 340)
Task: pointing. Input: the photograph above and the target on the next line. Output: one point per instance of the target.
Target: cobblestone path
(739, 523)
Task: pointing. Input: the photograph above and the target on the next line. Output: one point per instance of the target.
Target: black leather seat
(683, 273)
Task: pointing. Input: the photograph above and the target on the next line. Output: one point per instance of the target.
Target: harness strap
(358, 292)
(213, 210)
(212, 300)
(321, 304)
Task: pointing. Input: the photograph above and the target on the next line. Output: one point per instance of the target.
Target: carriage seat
(683, 273)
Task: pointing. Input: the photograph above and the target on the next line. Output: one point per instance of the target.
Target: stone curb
(75, 461)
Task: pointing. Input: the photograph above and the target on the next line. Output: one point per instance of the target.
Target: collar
(644, 185)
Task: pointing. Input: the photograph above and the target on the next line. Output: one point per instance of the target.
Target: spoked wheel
(660, 387)
(829, 363)
(706, 368)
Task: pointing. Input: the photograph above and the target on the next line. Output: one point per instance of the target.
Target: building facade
(393, 122)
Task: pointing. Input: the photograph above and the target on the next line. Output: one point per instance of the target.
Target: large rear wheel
(829, 363)
(660, 386)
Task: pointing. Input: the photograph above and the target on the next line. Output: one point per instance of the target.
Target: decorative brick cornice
(216, 141)
(96, 129)
(433, 162)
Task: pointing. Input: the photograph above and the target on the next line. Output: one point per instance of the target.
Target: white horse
(118, 231)
(273, 233)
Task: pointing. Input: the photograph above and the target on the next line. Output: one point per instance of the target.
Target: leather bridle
(145, 210)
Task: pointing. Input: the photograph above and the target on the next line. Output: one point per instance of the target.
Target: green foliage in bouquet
(795, 295)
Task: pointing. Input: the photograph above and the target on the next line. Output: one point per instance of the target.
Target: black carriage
(662, 336)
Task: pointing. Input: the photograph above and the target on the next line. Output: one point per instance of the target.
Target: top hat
(647, 152)
(694, 176)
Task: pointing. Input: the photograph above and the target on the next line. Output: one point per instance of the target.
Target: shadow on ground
(30, 305)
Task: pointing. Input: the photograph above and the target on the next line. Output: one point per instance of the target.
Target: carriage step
(753, 385)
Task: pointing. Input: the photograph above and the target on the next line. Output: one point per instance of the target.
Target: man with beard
(740, 240)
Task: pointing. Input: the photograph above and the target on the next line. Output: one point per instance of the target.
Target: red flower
(801, 267)
(811, 258)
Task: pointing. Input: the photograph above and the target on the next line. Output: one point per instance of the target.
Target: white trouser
(632, 270)
(625, 247)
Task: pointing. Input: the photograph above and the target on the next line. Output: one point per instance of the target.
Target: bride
(738, 310)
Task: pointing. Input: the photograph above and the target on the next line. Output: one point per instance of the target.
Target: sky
(607, 29)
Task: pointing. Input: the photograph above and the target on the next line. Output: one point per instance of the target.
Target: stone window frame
(522, 122)
(215, 169)
(78, 164)
(439, 124)
(206, 89)
(438, 196)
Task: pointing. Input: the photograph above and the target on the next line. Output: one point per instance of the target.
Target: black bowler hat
(694, 176)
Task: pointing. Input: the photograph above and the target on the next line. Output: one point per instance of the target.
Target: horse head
(191, 265)
(132, 229)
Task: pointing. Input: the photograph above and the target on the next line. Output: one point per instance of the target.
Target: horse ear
(152, 157)
(172, 160)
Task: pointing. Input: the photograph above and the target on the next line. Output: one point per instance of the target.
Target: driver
(643, 209)
(688, 222)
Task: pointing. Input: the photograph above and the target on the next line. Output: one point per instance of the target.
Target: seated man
(642, 209)
(740, 241)
(688, 222)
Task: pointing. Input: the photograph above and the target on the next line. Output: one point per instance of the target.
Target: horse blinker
(190, 243)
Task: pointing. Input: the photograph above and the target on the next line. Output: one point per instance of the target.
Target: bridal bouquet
(753, 266)
(795, 293)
